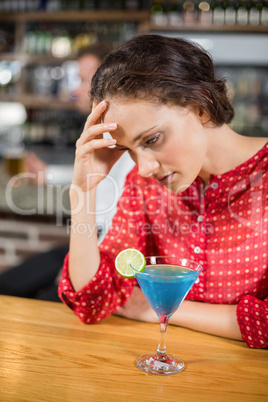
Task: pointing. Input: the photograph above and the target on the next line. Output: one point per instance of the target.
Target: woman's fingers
(95, 115)
(93, 126)
(92, 145)
(95, 131)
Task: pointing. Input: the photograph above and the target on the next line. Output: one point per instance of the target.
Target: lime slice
(127, 257)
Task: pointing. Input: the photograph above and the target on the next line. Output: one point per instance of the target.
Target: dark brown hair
(164, 70)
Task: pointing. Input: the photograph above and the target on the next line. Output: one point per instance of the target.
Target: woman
(198, 191)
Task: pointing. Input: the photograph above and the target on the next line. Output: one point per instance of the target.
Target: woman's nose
(147, 167)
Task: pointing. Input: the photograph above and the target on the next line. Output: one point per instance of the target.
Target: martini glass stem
(161, 350)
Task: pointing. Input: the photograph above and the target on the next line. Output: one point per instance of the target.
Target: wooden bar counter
(47, 354)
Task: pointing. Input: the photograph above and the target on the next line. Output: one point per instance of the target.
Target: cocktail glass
(165, 283)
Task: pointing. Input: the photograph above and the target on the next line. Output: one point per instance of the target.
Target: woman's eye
(152, 140)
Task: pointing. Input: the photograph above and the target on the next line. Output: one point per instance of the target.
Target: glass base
(151, 364)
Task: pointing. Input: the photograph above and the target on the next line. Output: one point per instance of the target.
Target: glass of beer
(14, 161)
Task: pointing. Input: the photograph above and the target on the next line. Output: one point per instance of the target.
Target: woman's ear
(203, 116)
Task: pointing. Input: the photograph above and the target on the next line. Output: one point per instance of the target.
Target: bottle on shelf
(242, 12)
(52, 127)
(174, 12)
(229, 12)
(133, 5)
(158, 13)
(15, 6)
(190, 12)
(53, 5)
(204, 13)
(217, 12)
(10, 73)
(254, 10)
(264, 13)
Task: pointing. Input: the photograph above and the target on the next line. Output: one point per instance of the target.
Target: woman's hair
(163, 70)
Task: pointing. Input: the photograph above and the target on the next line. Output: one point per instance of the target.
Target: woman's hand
(93, 158)
(137, 308)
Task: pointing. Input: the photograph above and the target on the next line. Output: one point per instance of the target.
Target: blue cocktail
(165, 283)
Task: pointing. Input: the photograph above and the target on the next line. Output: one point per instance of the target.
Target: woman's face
(168, 143)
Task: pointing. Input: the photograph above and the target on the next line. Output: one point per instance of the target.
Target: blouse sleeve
(252, 317)
(108, 290)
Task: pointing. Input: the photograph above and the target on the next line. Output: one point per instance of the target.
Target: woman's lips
(164, 180)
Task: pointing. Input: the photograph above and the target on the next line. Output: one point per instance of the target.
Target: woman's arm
(93, 161)
(84, 255)
(215, 319)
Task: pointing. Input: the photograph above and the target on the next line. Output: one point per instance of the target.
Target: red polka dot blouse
(223, 227)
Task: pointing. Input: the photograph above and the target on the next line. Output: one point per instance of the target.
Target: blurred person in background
(38, 276)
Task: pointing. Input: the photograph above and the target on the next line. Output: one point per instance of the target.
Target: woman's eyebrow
(142, 133)
(137, 137)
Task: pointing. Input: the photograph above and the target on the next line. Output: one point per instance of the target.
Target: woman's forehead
(133, 118)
